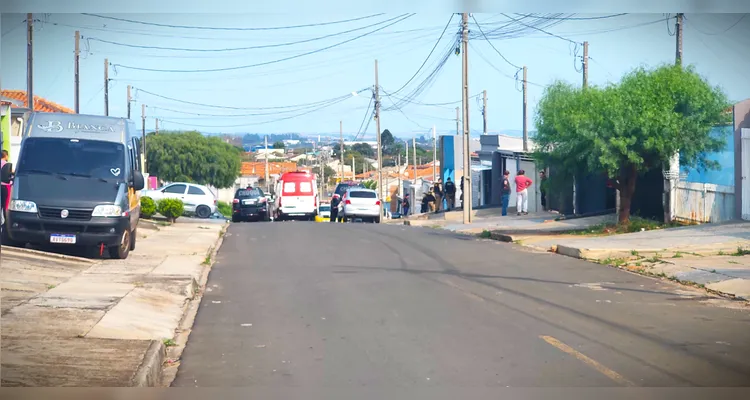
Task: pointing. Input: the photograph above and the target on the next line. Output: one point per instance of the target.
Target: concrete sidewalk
(71, 321)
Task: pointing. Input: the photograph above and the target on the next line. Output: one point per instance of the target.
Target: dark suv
(342, 187)
(249, 204)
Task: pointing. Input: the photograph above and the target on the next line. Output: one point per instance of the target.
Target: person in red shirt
(523, 182)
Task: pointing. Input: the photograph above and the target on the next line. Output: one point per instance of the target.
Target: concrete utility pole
(77, 58)
(525, 104)
(341, 149)
(585, 62)
(156, 122)
(414, 154)
(484, 112)
(129, 101)
(466, 204)
(380, 147)
(322, 167)
(30, 59)
(266, 175)
(354, 170)
(434, 154)
(399, 194)
(678, 33)
(106, 90)
(143, 135)
(458, 120)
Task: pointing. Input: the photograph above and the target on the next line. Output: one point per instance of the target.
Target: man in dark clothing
(450, 193)
(335, 201)
(405, 205)
(543, 189)
(428, 202)
(461, 185)
(437, 192)
(505, 192)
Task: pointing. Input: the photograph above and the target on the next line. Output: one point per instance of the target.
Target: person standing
(450, 194)
(335, 201)
(523, 183)
(5, 186)
(543, 184)
(405, 205)
(505, 192)
(438, 193)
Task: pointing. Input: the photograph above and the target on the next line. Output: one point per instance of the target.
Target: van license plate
(63, 239)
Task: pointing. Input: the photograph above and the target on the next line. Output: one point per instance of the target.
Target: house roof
(40, 104)
(274, 168)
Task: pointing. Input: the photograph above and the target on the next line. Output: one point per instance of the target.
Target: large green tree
(192, 157)
(629, 128)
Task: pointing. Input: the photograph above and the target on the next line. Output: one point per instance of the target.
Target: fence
(703, 202)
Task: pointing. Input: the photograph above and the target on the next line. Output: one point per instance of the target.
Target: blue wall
(723, 176)
(447, 159)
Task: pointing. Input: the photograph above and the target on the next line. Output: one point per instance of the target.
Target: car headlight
(107, 211)
(22, 206)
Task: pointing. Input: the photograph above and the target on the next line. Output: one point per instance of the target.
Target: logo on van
(64, 214)
(57, 126)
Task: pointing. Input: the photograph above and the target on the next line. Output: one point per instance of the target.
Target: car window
(361, 194)
(289, 187)
(178, 189)
(305, 187)
(325, 208)
(196, 190)
(251, 193)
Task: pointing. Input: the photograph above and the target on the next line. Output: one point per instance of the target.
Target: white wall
(704, 202)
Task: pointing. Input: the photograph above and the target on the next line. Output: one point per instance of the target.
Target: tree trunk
(626, 187)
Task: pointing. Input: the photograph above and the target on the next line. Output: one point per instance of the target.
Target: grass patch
(617, 262)
(207, 260)
(741, 252)
(224, 208)
(636, 224)
(733, 262)
(169, 342)
(677, 255)
(485, 234)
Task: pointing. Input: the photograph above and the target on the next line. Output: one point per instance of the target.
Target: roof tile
(40, 104)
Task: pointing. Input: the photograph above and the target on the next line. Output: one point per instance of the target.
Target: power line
(265, 46)
(720, 33)
(574, 18)
(428, 55)
(541, 30)
(230, 28)
(405, 16)
(367, 113)
(493, 46)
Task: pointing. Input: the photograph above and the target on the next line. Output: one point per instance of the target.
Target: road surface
(316, 306)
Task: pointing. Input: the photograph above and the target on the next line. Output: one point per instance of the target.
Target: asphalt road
(318, 306)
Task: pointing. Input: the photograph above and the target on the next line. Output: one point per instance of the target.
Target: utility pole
(458, 119)
(678, 33)
(399, 194)
(322, 167)
(143, 135)
(266, 175)
(341, 149)
(525, 102)
(129, 101)
(30, 59)
(156, 131)
(354, 170)
(585, 62)
(380, 147)
(466, 205)
(434, 154)
(414, 151)
(77, 58)
(484, 112)
(106, 90)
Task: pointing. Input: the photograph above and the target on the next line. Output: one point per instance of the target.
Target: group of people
(523, 183)
(432, 201)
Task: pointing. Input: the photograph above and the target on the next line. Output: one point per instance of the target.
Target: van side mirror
(6, 175)
(138, 181)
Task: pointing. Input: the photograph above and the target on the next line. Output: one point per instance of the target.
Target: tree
(192, 157)
(387, 143)
(279, 145)
(364, 149)
(632, 127)
(328, 170)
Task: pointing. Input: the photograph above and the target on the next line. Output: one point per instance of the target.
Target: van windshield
(76, 157)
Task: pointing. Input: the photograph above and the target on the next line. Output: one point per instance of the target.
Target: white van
(296, 196)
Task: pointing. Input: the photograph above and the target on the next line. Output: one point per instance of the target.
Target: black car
(342, 187)
(249, 204)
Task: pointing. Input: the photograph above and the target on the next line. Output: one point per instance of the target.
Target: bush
(225, 208)
(148, 207)
(171, 208)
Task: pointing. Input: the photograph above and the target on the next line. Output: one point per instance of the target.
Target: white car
(360, 203)
(198, 199)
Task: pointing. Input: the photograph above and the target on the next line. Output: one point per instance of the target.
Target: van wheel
(203, 212)
(133, 237)
(121, 251)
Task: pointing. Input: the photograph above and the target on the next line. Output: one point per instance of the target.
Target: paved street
(321, 306)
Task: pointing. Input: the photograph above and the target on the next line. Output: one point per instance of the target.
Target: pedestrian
(543, 189)
(405, 205)
(429, 200)
(461, 185)
(335, 201)
(5, 189)
(506, 192)
(450, 194)
(437, 191)
(522, 193)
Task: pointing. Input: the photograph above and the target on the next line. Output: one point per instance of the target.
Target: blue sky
(616, 45)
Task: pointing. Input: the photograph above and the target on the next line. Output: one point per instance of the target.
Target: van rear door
(298, 197)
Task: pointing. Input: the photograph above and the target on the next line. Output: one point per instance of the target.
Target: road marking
(592, 363)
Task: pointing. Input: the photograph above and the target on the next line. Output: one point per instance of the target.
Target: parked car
(360, 203)
(324, 213)
(198, 199)
(342, 187)
(296, 196)
(249, 204)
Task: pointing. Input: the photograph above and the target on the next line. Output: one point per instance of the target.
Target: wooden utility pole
(525, 102)
(106, 90)
(380, 147)
(77, 58)
(466, 204)
(30, 59)
(678, 33)
(585, 62)
(484, 112)
(434, 154)
(266, 174)
(341, 149)
(129, 101)
(458, 120)
(143, 135)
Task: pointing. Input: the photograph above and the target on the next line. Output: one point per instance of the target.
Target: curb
(149, 373)
(21, 251)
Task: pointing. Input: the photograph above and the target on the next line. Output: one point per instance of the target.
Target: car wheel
(121, 251)
(203, 212)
